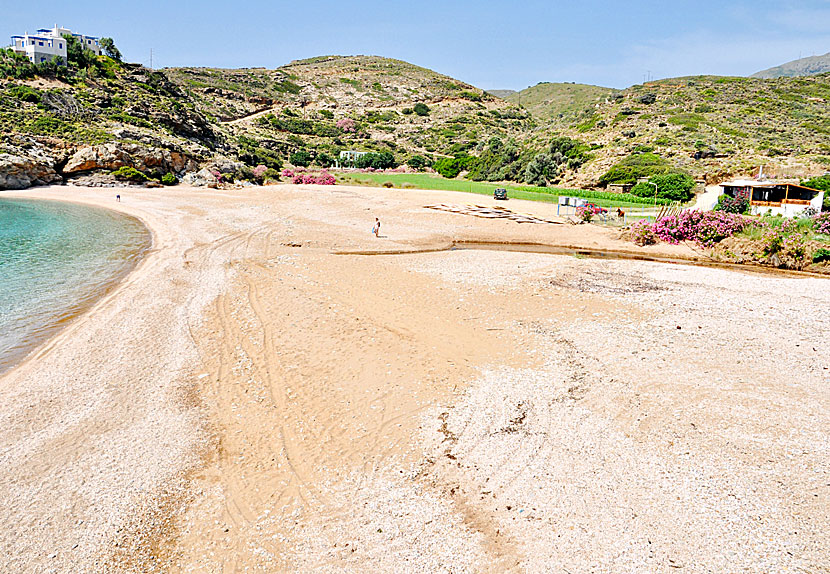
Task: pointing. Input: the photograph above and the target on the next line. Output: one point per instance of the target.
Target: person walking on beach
(118, 197)
(376, 228)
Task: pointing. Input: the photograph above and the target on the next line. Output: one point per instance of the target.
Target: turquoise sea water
(56, 260)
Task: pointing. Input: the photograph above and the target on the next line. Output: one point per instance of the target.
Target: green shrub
(324, 160)
(739, 204)
(822, 184)
(25, 94)
(169, 179)
(674, 186)
(634, 167)
(132, 120)
(287, 87)
(376, 160)
(251, 152)
(670, 186)
(127, 173)
(47, 124)
(108, 46)
(540, 169)
(300, 158)
(820, 255)
(450, 167)
(643, 189)
(328, 114)
(421, 109)
(418, 162)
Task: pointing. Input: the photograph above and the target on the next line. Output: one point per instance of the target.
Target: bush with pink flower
(324, 178)
(642, 233)
(587, 212)
(703, 227)
(821, 223)
(347, 125)
(288, 173)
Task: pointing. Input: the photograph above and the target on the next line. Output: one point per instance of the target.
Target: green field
(438, 183)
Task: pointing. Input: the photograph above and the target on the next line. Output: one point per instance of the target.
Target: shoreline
(256, 394)
(94, 295)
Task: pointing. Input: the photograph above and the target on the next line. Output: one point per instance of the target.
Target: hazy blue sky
(489, 44)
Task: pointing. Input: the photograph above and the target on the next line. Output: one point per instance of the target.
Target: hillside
(84, 122)
(112, 115)
(503, 94)
(736, 125)
(809, 66)
(305, 99)
(560, 103)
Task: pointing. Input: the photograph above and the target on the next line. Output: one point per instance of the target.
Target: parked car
(596, 208)
(500, 193)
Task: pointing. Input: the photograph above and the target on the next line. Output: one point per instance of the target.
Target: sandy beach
(274, 389)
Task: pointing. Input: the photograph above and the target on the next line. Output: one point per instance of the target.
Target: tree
(300, 158)
(540, 169)
(381, 160)
(418, 162)
(822, 184)
(324, 160)
(421, 109)
(108, 46)
(450, 167)
(672, 186)
(77, 54)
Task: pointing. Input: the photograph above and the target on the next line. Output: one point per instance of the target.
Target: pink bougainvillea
(259, 171)
(702, 227)
(287, 173)
(325, 178)
(642, 233)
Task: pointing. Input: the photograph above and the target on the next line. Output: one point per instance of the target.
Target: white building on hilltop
(46, 44)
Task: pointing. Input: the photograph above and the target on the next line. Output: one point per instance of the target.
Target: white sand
(250, 400)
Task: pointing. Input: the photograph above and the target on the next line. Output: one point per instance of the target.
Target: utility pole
(151, 59)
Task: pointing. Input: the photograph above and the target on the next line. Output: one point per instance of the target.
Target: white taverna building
(787, 199)
(46, 44)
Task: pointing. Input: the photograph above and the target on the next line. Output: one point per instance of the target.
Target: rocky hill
(86, 122)
(809, 66)
(300, 104)
(731, 125)
(560, 103)
(126, 115)
(503, 94)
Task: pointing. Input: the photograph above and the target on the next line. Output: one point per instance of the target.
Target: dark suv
(500, 193)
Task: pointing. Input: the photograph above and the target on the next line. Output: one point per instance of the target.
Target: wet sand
(251, 399)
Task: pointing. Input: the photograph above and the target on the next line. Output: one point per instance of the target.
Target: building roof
(748, 183)
(763, 184)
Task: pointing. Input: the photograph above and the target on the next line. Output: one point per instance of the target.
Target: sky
(493, 45)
